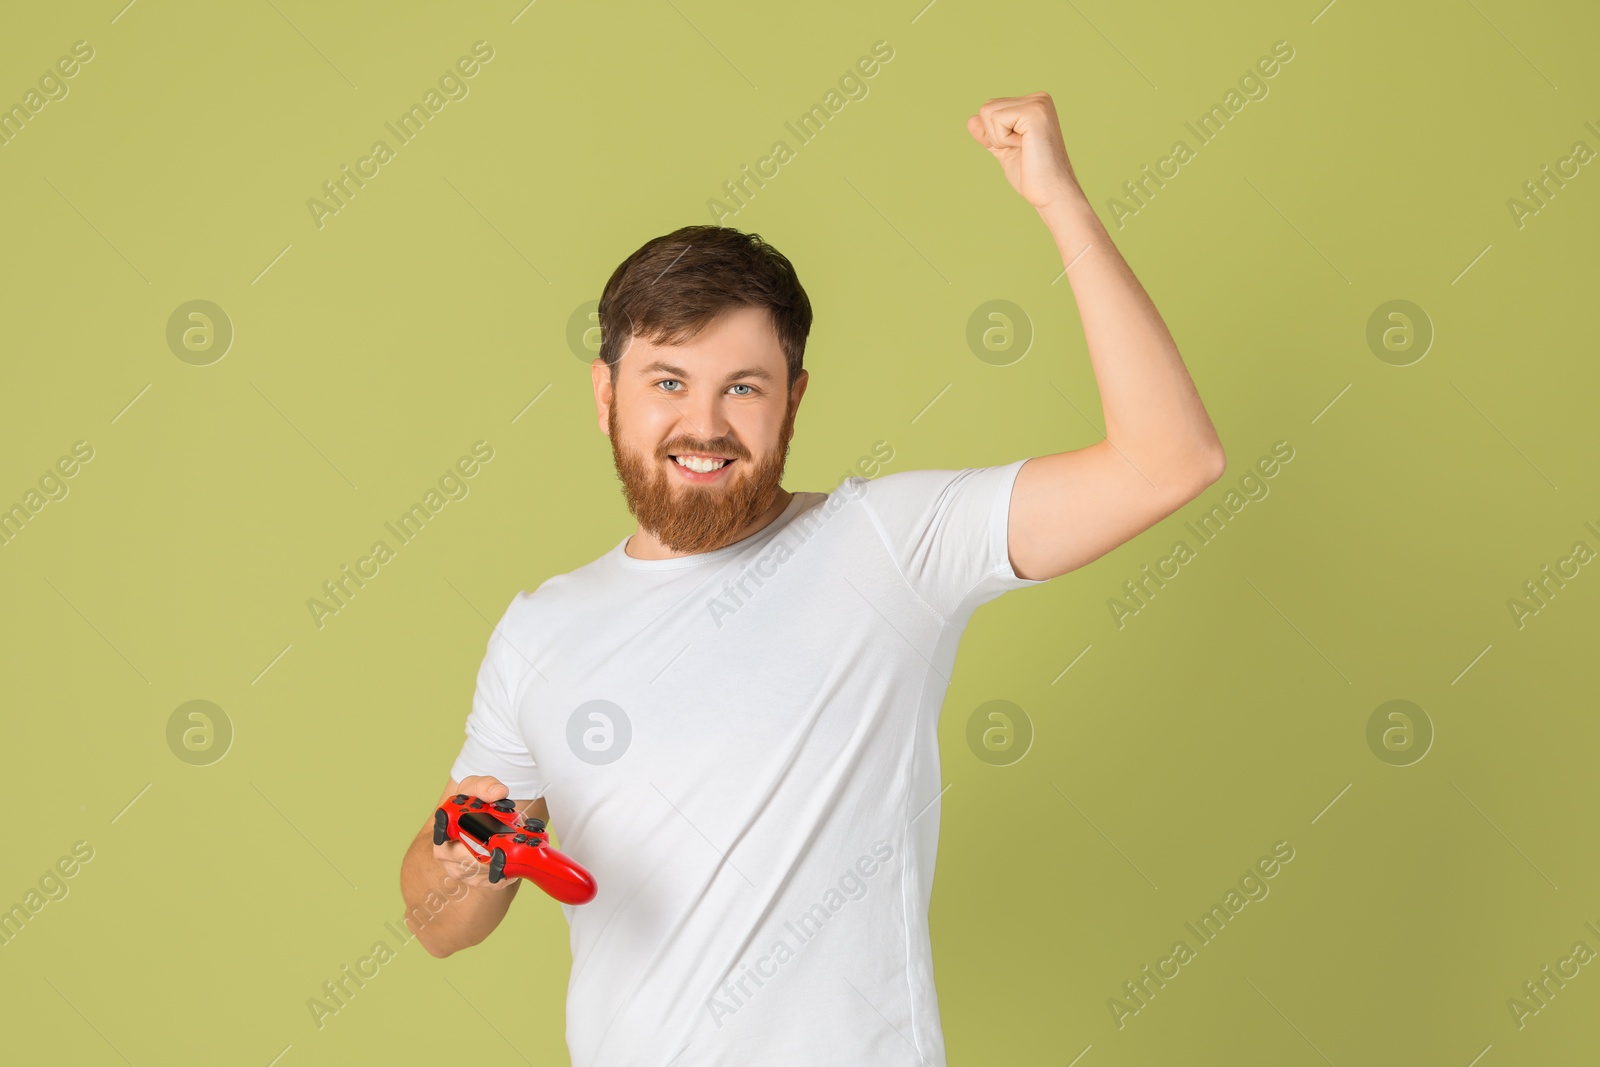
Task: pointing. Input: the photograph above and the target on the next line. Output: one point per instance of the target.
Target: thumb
(980, 134)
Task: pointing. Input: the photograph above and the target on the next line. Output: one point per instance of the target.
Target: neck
(644, 545)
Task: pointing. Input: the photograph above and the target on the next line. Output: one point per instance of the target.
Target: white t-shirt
(741, 745)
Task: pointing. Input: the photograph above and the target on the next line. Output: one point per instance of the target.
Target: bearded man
(731, 715)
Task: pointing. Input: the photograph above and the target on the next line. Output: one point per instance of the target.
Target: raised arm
(1160, 449)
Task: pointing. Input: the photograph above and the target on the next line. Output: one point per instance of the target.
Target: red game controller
(492, 834)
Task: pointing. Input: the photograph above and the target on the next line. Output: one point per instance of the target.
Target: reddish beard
(691, 518)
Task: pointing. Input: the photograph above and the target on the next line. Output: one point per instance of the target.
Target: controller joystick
(494, 836)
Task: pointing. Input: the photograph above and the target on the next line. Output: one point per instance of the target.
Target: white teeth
(702, 466)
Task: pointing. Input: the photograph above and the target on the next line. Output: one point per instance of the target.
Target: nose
(705, 418)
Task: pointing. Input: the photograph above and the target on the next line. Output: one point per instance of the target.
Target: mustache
(726, 451)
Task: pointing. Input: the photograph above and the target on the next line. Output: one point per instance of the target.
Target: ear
(798, 390)
(600, 375)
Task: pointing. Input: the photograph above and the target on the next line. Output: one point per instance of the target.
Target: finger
(999, 137)
(979, 133)
(485, 787)
(468, 872)
(999, 121)
(1005, 101)
(454, 855)
(1012, 123)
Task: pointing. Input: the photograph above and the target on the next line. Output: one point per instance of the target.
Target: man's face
(720, 396)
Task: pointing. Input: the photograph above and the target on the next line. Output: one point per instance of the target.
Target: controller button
(521, 839)
(536, 825)
(476, 804)
(505, 805)
(459, 798)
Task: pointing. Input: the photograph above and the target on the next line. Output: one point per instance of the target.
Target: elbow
(420, 932)
(1203, 473)
(435, 948)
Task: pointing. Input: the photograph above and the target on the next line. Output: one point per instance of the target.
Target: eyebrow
(660, 365)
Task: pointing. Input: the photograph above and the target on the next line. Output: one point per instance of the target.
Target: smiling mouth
(702, 464)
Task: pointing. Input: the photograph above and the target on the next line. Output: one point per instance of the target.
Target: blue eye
(674, 381)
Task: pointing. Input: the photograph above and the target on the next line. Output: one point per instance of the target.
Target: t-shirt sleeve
(494, 745)
(946, 531)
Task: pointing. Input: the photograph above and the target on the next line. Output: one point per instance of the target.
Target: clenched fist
(1024, 134)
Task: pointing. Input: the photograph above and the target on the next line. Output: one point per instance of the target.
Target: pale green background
(1226, 716)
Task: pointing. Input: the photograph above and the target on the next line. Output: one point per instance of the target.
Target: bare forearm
(1153, 414)
(445, 913)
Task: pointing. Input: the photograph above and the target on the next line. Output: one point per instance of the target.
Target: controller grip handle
(558, 876)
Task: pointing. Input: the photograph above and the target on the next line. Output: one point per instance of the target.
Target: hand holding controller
(491, 832)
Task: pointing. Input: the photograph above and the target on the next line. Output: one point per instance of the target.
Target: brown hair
(675, 285)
